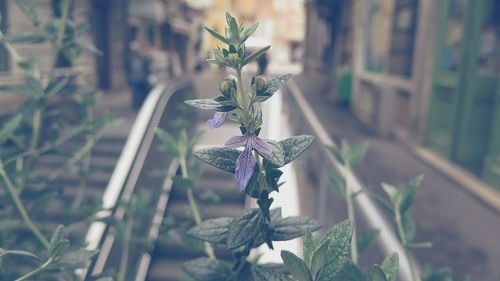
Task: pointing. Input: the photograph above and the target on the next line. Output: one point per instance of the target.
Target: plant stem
(20, 207)
(194, 208)
(127, 237)
(36, 271)
(60, 36)
(404, 241)
(351, 215)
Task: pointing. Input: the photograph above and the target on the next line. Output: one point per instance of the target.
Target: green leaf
(296, 266)
(351, 272)
(338, 184)
(212, 104)
(295, 146)
(264, 273)
(212, 230)
(217, 35)
(274, 85)
(220, 157)
(292, 227)
(366, 239)
(206, 269)
(356, 154)
(380, 200)
(244, 228)
(4, 253)
(58, 241)
(26, 38)
(277, 157)
(390, 266)
(409, 225)
(247, 32)
(406, 194)
(233, 26)
(378, 274)
(10, 127)
(309, 246)
(76, 259)
(254, 55)
(391, 192)
(169, 143)
(318, 257)
(339, 248)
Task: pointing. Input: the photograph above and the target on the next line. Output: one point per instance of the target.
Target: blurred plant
(56, 110)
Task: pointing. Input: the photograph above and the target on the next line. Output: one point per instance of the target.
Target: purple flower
(217, 121)
(246, 162)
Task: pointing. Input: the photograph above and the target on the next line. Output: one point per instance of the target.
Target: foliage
(57, 109)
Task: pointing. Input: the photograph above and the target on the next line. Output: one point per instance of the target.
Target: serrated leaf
(169, 144)
(351, 272)
(390, 266)
(212, 230)
(292, 227)
(244, 228)
(366, 239)
(4, 253)
(217, 35)
(212, 104)
(296, 266)
(339, 248)
(9, 127)
(263, 273)
(220, 157)
(77, 259)
(293, 147)
(378, 274)
(277, 157)
(205, 269)
(254, 55)
(247, 32)
(309, 246)
(274, 85)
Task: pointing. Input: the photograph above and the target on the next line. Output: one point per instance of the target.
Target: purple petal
(244, 168)
(261, 145)
(217, 121)
(237, 141)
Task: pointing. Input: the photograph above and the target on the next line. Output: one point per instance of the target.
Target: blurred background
(418, 80)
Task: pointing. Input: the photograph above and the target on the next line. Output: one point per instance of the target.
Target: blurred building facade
(425, 71)
(170, 28)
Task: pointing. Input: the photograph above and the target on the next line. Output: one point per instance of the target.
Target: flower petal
(217, 121)
(261, 145)
(237, 141)
(244, 168)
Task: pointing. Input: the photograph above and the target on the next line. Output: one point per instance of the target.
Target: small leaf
(409, 225)
(9, 127)
(356, 154)
(292, 227)
(212, 104)
(338, 184)
(308, 245)
(169, 144)
(380, 200)
(4, 253)
(366, 239)
(248, 32)
(296, 266)
(293, 147)
(212, 230)
(77, 259)
(244, 228)
(264, 273)
(219, 157)
(233, 26)
(274, 85)
(407, 193)
(339, 248)
(217, 35)
(254, 55)
(390, 266)
(57, 243)
(391, 192)
(59, 247)
(206, 269)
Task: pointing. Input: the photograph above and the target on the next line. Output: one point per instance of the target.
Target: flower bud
(226, 86)
(233, 57)
(261, 84)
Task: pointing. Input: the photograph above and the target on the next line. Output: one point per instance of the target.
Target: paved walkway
(465, 232)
